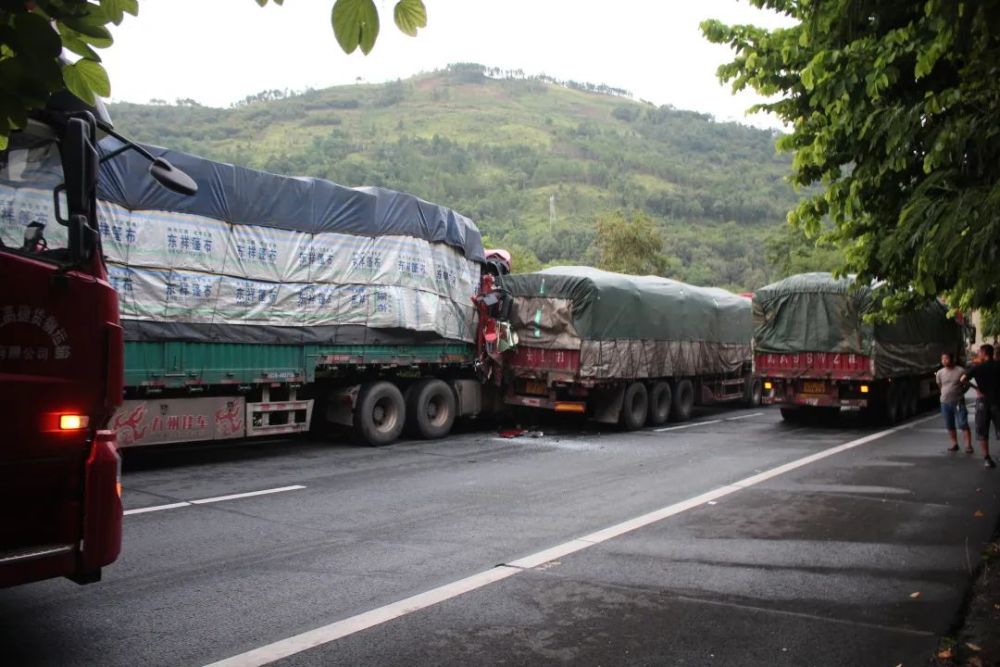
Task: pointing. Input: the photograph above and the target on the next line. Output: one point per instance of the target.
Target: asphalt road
(858, 556)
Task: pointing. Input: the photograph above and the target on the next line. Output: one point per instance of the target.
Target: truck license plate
(814, 387)
(537, 388)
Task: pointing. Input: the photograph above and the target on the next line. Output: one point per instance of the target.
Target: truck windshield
(30, 169)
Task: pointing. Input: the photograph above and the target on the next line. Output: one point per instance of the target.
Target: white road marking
(284, 648)
(752, 414)
(157, 508)
(248, 494)
(691, 425)
(216, 499)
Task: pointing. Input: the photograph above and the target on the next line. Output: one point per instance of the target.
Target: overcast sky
(218, 51)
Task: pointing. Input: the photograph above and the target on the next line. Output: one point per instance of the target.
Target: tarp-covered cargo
(815, 312)
(631, 326)
(255, 257)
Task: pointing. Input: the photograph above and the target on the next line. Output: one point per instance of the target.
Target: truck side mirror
(80, 162)
(172, 178)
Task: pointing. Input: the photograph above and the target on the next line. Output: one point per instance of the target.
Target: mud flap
(606, 404)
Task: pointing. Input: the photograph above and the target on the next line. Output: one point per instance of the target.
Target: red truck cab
(61, 357)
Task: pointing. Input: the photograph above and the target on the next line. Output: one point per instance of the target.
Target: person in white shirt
(956, 415)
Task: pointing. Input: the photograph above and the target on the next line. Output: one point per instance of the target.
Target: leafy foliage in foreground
(34, 34)
(508, 150)
(32, 38)
(894, 106)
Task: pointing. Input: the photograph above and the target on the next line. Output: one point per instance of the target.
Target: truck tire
(380, 413)
(635, 406)
(683, 400)
(912, 399)
(753, 392)
(430, 409)
(660, 398)
(791, 415)
(891, 404)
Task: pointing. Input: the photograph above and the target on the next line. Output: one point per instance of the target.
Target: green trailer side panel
(178, 364)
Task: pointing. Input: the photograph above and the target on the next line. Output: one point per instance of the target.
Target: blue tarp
(249, 197)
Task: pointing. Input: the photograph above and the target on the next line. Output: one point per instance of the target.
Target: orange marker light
(768, 386)
(864, 389)
(73, 422)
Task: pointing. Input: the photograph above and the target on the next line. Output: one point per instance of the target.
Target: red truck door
(60, 357)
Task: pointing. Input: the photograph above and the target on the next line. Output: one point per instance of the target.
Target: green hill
(499, 147)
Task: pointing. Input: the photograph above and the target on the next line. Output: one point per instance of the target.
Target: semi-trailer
(269, 305)
(625, 349)
(816, 353)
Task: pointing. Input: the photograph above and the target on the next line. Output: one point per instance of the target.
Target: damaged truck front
(815, 353)
(633, 350)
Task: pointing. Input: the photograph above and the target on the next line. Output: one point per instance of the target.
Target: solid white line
(752, 414)
(328, 633)
(157, 508)
(248, 494)
(296, 644)
(691, 425)
(216, 499)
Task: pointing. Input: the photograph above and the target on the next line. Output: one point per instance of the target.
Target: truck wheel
(683, 400)
(660, 398)
(430, 409)
(635, 405)
(912, 399)
(380, 414)
(891, 404)
(753, 392)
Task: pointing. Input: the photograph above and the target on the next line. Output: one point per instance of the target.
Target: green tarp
(631, 326)
(815, 312)
(613, 305)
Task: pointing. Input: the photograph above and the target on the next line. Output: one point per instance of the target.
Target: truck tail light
(864, 389)
(73, 422)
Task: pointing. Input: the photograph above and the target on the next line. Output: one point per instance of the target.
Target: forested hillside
(536, 163)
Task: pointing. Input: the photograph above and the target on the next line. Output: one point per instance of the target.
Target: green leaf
(89, 27)
(410, 16)
(71, 40)
(33, 36)
(86, 79)
(3, 141)
(115, 10)
(355, 23)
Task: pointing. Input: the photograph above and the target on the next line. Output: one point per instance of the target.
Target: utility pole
(552, 212)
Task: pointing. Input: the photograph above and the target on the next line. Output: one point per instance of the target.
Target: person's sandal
(953, 449)
(970, 450)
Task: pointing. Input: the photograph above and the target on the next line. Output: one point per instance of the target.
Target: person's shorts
(985, 415)
(956, 416)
